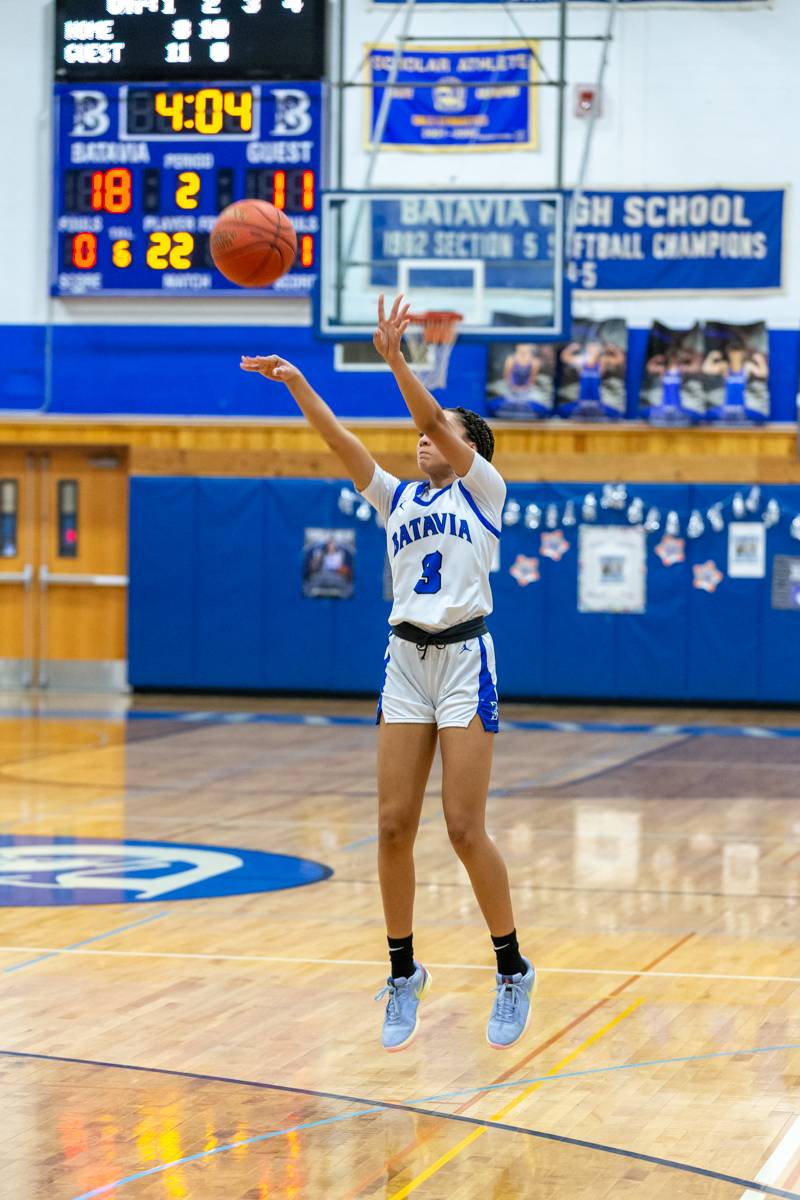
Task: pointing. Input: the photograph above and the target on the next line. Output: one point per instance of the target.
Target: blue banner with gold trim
(452, 98)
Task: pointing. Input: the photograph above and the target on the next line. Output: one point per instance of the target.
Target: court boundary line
(563, 1139)
(191, 956)
(400, 1155)
(514, 789)
(449, 1155)
(564, 887)
(325, 720)
(779, 1159)
(301, 822)
(626, 762)
(651, 1062)
(86, 941)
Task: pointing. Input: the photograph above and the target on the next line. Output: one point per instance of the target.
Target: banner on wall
(521, 379)
(611, 569)
(512, 234)
(672, 388)
(453, 98)
(747, 550)
(713, 239)
(328, 560)
(736, 371)
(786, 583)
(592, 369)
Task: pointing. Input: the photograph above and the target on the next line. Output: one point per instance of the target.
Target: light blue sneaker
(401, 1020)
(511, 1010)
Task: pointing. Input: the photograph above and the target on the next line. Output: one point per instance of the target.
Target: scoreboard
(142, 170)
(119, 40)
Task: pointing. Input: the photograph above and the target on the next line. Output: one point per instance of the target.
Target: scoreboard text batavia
(142, 171)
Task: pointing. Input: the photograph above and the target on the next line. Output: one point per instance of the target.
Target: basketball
(253, 243)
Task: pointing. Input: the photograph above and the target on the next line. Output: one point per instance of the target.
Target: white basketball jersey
(440, 544)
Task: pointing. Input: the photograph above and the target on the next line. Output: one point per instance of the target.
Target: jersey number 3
(431, 579)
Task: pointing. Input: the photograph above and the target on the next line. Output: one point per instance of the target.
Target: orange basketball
(253, 243)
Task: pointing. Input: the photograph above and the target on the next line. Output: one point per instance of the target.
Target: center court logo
(54, 871)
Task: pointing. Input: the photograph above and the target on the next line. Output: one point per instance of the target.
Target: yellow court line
(472, 1137)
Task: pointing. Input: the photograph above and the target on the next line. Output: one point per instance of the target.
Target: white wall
(691, 99)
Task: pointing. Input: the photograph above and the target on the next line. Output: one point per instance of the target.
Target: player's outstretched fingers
(268, 365)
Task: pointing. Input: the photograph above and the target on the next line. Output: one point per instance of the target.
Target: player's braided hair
(477, 431)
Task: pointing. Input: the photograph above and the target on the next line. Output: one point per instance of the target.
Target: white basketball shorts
(445, 688)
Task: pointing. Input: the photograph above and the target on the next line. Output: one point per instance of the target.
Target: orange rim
(439, 326)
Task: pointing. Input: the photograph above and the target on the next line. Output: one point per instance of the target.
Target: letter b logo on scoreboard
(292, 112)
(89, 114)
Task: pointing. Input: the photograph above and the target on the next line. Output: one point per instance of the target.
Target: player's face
(430, 460)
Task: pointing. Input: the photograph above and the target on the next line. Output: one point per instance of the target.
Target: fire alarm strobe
(588, 100)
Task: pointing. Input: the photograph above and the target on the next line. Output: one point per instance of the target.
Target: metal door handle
(24, 576)
(47, 578)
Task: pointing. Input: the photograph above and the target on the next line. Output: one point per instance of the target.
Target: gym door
(63, 568)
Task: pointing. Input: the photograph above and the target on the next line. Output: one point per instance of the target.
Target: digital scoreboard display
(142, 171)
(122, 40)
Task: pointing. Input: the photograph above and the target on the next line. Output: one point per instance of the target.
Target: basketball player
(737, 365)
(439, 676)
(521, 368)
(669, 367)
(586, 360)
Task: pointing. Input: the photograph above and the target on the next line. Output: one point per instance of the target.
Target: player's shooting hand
(271, 366)
(388, 336)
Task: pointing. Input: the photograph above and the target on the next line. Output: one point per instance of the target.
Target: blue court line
(387, 1105)
(361, 842)
(263, 1137)
(259, 1137)
(262, 718)
(652, 1062)
(373, 837)
(86, 942)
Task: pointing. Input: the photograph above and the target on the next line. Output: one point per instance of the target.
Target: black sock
(401, 956)
(509, 959)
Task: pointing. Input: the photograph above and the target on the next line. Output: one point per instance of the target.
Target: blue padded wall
(216, 601)
(193, 370)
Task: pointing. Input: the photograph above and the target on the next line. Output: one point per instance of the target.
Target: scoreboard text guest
(142, 169)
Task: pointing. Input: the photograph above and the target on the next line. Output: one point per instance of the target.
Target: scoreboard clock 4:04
(142, 170)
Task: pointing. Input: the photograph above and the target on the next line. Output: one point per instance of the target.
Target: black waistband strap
(423, 638)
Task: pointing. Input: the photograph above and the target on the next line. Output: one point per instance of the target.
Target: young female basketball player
(439, 668)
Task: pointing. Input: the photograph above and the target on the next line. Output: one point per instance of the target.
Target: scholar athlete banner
(709, 239)
(454, 98)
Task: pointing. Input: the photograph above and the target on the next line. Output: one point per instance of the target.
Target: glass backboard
(494, 256)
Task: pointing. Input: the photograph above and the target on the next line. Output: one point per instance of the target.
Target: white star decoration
(707, 576)
(671, 550)
(525, 570)
(553, 545)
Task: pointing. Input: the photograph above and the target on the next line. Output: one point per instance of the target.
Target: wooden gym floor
(229, 1047)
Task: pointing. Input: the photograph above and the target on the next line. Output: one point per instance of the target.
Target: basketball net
(430, 339)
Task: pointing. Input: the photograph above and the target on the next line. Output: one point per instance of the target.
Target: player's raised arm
(427, 414)
(356, 459)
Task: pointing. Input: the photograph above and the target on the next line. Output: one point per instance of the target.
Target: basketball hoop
(430, 339)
